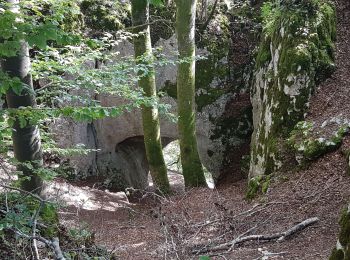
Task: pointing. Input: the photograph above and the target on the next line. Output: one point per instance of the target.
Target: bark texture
(185, 30)
(26, 141)
(150, 117)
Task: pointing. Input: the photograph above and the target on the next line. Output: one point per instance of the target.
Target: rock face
(295, 53)
(223, 118)
(121, 156)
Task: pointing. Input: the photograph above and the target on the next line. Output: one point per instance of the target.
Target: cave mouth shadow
(132, 154)
(132, 159)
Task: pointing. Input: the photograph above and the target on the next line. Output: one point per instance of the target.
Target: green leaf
(37, 40)
(156, 2)
(22, 122)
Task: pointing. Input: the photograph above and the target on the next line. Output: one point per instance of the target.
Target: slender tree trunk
(185, 28)
(204, 12)
(26, 141)
(150, 117)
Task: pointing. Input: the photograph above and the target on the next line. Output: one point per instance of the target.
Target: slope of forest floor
(157, 228)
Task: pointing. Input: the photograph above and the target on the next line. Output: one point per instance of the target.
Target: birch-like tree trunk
(185, 30)
(150, 117)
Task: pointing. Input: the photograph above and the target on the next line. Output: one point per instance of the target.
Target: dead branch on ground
(277, 236)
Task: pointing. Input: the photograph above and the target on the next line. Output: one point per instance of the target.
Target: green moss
(256, 185)
(49, 216)
(337, 254)
(265, 185)
(207, 71)
(253, 187)
(301, 34)
(191, 165)
(264, 53)
(305, 143)
(344, 238)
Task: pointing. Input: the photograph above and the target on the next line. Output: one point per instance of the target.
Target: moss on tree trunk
(185, 30)
(150, 117)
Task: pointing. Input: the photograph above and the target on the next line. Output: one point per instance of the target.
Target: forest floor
(173, 228)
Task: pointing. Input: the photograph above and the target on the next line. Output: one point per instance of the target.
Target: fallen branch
(279, 236)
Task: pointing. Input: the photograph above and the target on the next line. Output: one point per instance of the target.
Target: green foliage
(156, 2)
(105, 15)
(34, 26)
(65, 63)
(269, 14)
(257, 185)
(20, 211)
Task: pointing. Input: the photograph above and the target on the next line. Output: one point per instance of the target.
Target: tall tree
(185, 30)
(26, 140)
(150, 117)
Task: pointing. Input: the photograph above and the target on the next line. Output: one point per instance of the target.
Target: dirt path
(173, 228)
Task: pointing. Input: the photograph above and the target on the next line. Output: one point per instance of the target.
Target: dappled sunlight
(85, 197)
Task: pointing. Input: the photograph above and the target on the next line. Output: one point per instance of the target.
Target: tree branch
(279, 236)
(53, 244)
(205, 25)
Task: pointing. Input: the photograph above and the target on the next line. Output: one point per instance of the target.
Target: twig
(279, 236)
(37, 197)
(35, 221)
(205, 25)
(250, 212)
(53, 244)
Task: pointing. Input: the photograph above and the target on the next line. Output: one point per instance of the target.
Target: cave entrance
(133, 168)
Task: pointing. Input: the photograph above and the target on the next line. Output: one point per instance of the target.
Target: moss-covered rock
(342, 249)
(258, 185)
(296, 51)
(310, 142)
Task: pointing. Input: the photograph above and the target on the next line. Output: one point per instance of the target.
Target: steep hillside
(191, 223)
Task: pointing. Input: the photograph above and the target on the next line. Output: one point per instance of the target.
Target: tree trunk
(26, 141)
(185, 29)
(150, 117)
(204, 13)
